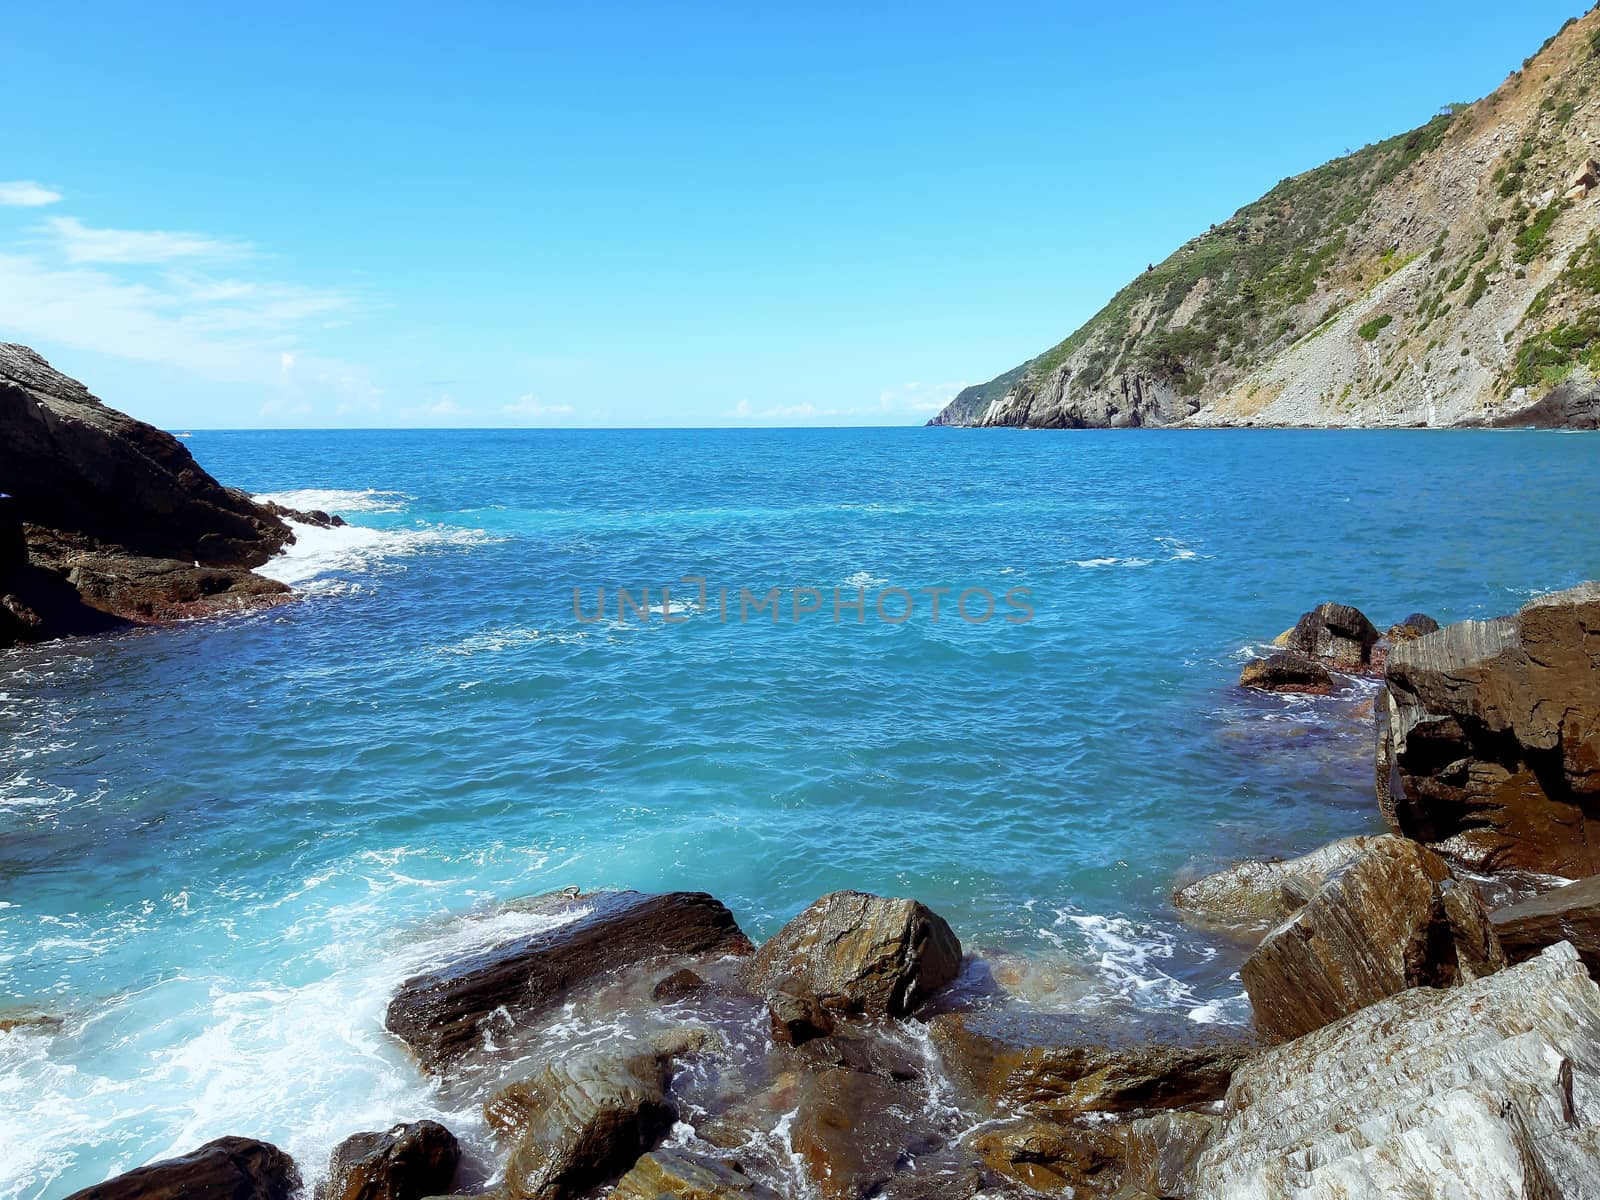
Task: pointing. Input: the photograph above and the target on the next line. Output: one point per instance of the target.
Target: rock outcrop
(860, 955)
(1487, 1090)
(1055, 1158)
(1489, 738)
(230, 1168)
(670, 1174)
(1001, 1060)
(1252, 897)
(1163, 1151)
(1286, 671)
(1391, 918)
(1335, 634)
(444, 1013)
(115, 521)
(407, 1162)
(1567, 914)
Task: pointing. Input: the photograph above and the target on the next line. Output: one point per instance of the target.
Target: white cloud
(25, 193)
(531, 406)
(81, 244)
(445, 408)
(918, 397)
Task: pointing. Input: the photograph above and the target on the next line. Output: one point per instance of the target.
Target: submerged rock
(11, 1022)
(1489, 738)
(1287, 672)
(1002, 1059)
(860, 955)
(444, 1013)
(230, 1168)
(1567, 914)
(585, 1119)
(1391, 918)
(853, 1130)
(1254, 896)
(670, 1174)
(1336, 634)
(797, 1016)
(677, 985)
(1487, 1090)
(407, 1162)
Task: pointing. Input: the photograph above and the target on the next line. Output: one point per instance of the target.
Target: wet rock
(1336, 634)
(679, 984)
(1055, 1158)
(867, 1051)
(1487, 1090)
(12, 1022)
(853, 1131)
(1254, 896)
(676, 1175)
(1567, 914)
(860, 955)
(1067, 1065)
(1391, 918)
(444, 1013)
(1162, 1151)
(1489, 739)
(1412, 627)
(585, 1119)
(230, 1168)
(797, 1015)
(1287, 672)
(407, 1162)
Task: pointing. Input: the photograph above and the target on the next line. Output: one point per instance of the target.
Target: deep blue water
(222, 843)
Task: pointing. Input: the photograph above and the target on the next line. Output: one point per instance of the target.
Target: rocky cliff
(106, 521)
(1447, 276)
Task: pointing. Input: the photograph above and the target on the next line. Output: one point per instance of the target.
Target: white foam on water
(316, 554)
(332, 500)
(863, 579)
(1130, 956)
(1091, 564)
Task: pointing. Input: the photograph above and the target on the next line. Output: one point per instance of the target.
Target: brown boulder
(1254, 896)
(1567, 914)
(1067, 1065)
(676, 1175)
(1055, 1158)
(230, 1168)
(853, 1130)
(1336, 634)
(1163, 1149)
(1287, 672)
(860, 955)
(1390, 919)
(407, 1162)
(797, 1016)
(442, 1014)
(1489, 738)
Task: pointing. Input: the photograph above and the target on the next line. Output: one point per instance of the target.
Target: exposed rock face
(1287, 672)
(406, 1162)
(860, 955)
(1569, 914)
(1163, 1151)
(586, 1119)
(853, 1129)
(674, 1175)
(1413, 626)
(1255, 896)
(1067, 1065)
(1053, 1158)
(230, 1168)
(1489, 738)
(797, 1016)
(1335, 634)
(1391, 918)
(1487, 1090)
(444, 1013)
(120, 523)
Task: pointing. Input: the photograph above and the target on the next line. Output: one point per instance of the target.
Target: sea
(703, 660)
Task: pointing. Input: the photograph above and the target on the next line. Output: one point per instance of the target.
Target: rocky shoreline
(1425, 1021)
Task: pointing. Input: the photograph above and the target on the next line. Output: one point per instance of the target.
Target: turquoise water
(224, 842)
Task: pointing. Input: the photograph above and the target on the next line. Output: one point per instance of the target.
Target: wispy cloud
(446, 409)
(918, 397)
(25, 193)
(80, 243)
(531, 406)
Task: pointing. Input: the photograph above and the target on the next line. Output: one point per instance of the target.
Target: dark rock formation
(1254, 896)
(1336, 634)
(860, 955)
(120, 523)
(1491, 1089)
(1489, 738)
(1413, 626)
(230, 1168)
(1055, 1158)
(585, 1119)
(675, 1175)
(444, 1013)
(797, 1016)
(677, 985)
(1069, 1065)
(407, 1162)
(1392, 918)
(1162, 1151)
(1286, 671)
(1567, 914)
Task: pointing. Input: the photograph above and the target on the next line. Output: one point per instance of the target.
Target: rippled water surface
(221, 844)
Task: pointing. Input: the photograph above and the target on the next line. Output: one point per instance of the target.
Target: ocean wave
(335, 500)
(317, 553)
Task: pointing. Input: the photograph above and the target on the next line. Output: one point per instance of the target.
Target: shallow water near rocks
(222, 844)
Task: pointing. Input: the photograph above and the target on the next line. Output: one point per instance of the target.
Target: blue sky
(663, 214)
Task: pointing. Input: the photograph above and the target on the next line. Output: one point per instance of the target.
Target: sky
(618, 214)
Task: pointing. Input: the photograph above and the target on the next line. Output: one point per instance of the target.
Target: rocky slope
(106, 521)
(1448, 276)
